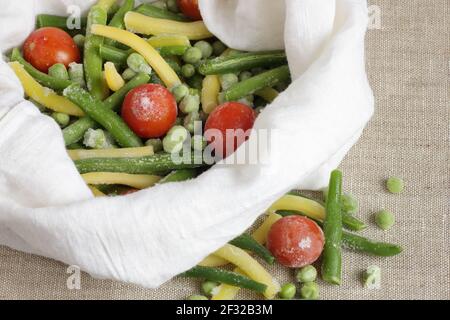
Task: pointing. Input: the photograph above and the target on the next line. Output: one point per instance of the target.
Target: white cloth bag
(148, 237)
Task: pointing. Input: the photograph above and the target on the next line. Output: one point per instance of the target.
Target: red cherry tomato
(150, 110)
(295, 241)
(190, 9)
(48, 46)
(230, 115)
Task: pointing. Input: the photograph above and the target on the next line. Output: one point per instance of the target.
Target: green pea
(287, 291)
(384, 219)
(192, 55)
(175, 138)
(205, 48)
(349, 203)
(218, 48)
(61, 118)
(156, 144)
(395, 185)
(188, 70)
(190, 104)
(310, 291)
(372, 277)
(180, 91)
(208, 287)
(307, 274)
(197, 297)
(228, 80)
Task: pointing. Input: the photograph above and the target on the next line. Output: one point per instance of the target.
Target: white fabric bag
(149, 237)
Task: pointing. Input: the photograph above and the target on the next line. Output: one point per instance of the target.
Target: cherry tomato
(150, 110)
(48, 46)
(295, 241)
(230, 115)
(190, 9)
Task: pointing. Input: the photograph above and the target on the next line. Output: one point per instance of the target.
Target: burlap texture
(408, 65)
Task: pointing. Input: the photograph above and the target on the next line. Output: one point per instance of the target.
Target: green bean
(227, 277)
(382, 249)
(242, 61)
(113, 54)
(128, 74)
(331, 257)
(250, 86)
(58, 71)
(155, 164)
(118, 19)
(42, 78)
(246, 242)
(114, 101)
(159, 13)
(75, 131)
(173, 50)
(61, 118)
(179, 175)
(79, 40)
(99, 112)
(93, 62)
(48, 20)
(76, 73)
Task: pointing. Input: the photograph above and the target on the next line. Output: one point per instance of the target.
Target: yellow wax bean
(42, 95)
(210, 93)
(139, 23)
(151, 55)
(138, 181)
(250, 267)
(111, 153)
(113, 78)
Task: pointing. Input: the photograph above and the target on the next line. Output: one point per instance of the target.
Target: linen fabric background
(407, 62)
